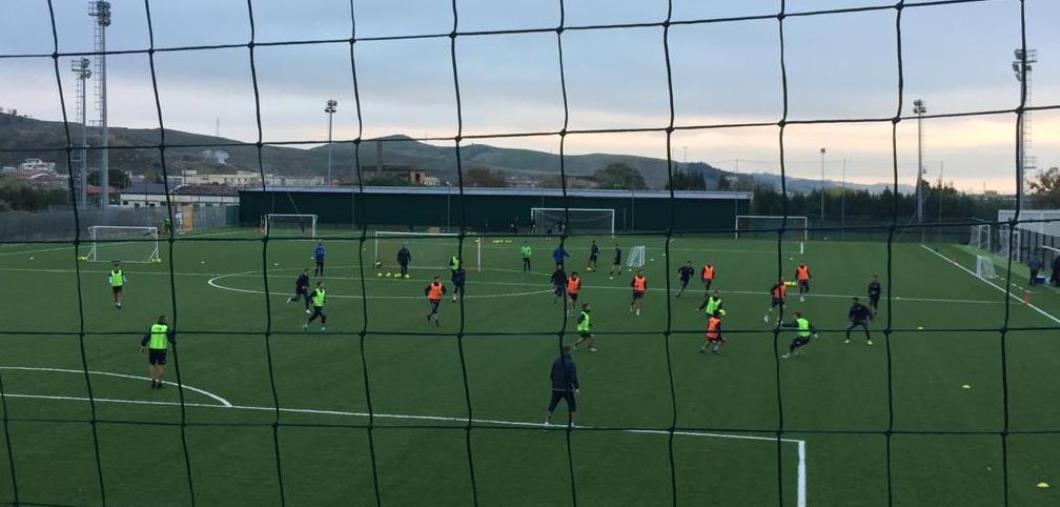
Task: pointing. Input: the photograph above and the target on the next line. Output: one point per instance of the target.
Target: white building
(152, 195)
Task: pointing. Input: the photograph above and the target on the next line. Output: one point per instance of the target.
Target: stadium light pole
(823, 151)
(919, 109)
(330, 109)
(82, 69)
(1022, 67)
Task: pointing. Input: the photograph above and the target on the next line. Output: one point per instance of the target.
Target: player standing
(585, 333)
(874, 293)
(640, 285)
(707, 275)
(301, 289)
(559, 284)
(559, 254)
(117, 280)
(803, 331)
(714, 340)
(404, 257)
(157, 341)
(319, 298)
(564, 385)
(685, 273)
(594, 256)
(318, 255)
(616, 262)
(803, 276)
(778, 293)
(574, 285)
(859, 315)
(712, 304)
(526, 252)
(459, 278)
(434, 291)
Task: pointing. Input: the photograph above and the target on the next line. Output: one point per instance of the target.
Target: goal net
(766, 226)
(1005, 240)
(290, 225)
(636, 257)
(428, 250)
(574, 220)
(980, 237)
(122, 243)
(984, 267)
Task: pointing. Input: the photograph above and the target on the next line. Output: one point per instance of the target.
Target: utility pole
(330, 109)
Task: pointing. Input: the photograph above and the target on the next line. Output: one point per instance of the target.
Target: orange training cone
(1026, 297)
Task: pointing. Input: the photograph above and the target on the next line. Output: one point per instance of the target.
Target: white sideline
(223, 402)
(992, 284)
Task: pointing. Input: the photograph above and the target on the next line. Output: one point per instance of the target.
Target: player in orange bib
(707, 275)
(714, 339)
(434, 291)
(574, 285)
(640, 285)
(803, 276)
(778, 293)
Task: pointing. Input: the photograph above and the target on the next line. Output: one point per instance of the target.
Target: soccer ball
(407, 276)
(721, 312)
(388, 274)
(378, 264)
(378, 274)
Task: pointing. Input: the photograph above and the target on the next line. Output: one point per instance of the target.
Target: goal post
(292, 225)
(766, 226)
(979, 237)
(575, 220)
(429, 250)
(123, 243)
(984, 267)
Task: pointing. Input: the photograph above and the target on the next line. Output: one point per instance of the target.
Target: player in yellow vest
(803, 331)
(157, 341)
(116, 279)
(319, 298)
(585, 333)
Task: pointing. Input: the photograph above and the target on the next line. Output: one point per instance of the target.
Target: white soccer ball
(202, 262)
(31, 258)
(652, 259)
(276, 264)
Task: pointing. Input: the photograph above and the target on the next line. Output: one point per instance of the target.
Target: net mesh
(470, 426)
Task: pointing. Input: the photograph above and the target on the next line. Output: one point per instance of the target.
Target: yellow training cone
(1043, 485)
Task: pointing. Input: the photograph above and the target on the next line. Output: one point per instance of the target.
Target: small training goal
(984, 267)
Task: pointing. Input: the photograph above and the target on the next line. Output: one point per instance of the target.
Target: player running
(712, 305)
(685, 273)
(707, 275)
(803, 331)
(526, 252)
(434, 291)
(803, 276)
(301, 289)
(585, 333)
(157, 341)
(564, 385)
(318, 255)
(404, 257)
(559, 284)
(116, 279)
(616, 262)
(874, 293)
(594, 256)
(778, 293)
(714, 340)
(640, 285)
(459, 278)
(559, 255)
(574, 285)
(319, 298)
(859, 315)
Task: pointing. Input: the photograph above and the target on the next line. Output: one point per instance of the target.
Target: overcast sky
(956, 58)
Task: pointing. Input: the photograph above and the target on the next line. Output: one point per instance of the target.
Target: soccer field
(945, 410)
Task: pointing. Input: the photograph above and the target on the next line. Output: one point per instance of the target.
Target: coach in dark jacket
(1056, 271)
(1034, 265)
(564, 384)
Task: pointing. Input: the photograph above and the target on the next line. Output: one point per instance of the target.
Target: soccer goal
(636, 257)
(980, 237)
(122, 243)
(1003, 242)
(289, 225)
(766, 226)
(429, 250)
(984, 267)
(575, 220)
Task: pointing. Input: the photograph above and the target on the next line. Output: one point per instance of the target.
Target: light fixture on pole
(823, 151)
(1022, 67)
(919, 109)
(330, 109)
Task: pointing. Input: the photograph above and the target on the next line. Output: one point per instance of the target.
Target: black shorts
(804, 283)
(585, 334)
(301, 291)
(116, 289)
(434, 304)
(638, 295)
(684, 282)
(874, 300)
(594, 258)
(573, 296)
(557, 290)
(616, 262)
(156, 357)
(777, 302)
(320, 262)
(799, 341)
(557, 395)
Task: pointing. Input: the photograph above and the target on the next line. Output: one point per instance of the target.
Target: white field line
(213, 283)
(992, 284)
(800, 444)
(223, 402)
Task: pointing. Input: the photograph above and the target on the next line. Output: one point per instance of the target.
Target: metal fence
(57, 224)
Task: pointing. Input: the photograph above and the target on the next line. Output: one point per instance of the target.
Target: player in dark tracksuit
(859, 315)
(685, 272)
(559, 285)
(459, 278)
(874, 293)
(564, 385)
(404, 257)
(301, 289)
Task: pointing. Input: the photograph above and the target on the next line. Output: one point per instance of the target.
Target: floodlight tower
(823, 151)
(83, 71)
(100, 9)
(330, 109)
(1022, 67)
(919, 109)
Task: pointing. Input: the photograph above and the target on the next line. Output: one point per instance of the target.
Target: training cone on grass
(1043, 485)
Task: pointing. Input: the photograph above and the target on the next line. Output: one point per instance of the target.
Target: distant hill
(134, 151)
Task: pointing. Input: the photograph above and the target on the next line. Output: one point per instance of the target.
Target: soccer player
(616, 262)
(594, 255)
(454, 262)
(434, 291)
(802, 275)
(707, 275)
(874, 293)
(685, 273)
(533, 226)
(157, 341)
(301, 289)
(574, 285)
(859, 315)
(459, 278)
(559, 284)
(318, 254)
(564, 385)
(778, 293)
(526, 252)
(714, 340)
(640, 285)
(319, 298)
(559, 254)
(404, 257)
(803, 331)
(585, 333)
(712, 304)
(117, 280)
